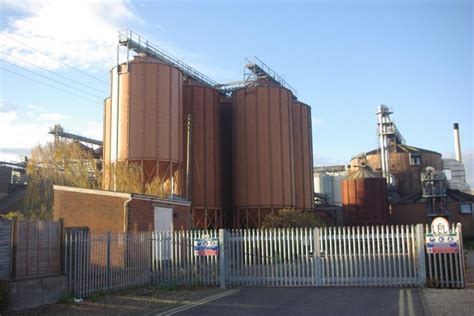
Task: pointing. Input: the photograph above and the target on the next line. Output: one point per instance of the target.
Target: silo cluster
(237, 157)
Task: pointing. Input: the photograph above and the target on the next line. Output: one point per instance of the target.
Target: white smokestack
(457, 142)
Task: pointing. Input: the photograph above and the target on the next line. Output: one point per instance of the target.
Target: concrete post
(317, 257)
(420, 242)
(222, 263)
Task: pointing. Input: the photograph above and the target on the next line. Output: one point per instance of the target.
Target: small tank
(364, 198)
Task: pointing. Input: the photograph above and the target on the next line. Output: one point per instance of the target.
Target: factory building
(235, 152)
(401, 184)
(406, 164)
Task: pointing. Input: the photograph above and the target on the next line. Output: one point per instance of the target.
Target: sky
(344, 58)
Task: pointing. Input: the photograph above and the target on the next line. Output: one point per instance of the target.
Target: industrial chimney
(457, 142)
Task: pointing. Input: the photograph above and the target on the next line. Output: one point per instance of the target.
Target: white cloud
(25, 127)
(82, 33)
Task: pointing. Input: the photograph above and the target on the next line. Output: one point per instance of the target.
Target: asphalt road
(309, 301)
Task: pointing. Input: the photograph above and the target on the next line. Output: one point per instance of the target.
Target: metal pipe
(457, 142)
(188, 156)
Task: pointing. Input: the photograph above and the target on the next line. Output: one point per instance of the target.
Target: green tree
(62, 163)
(291, 218)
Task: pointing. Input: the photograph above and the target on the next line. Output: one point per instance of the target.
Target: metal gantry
(255, 69)
(58, 131)
(138, 44)
(258, 70)
(387, 132)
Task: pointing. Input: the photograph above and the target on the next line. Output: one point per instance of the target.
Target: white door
(163, 227)
(163, 219)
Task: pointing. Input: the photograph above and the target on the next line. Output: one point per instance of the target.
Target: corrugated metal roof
(400, 148)
(363, 172)
(455, 195)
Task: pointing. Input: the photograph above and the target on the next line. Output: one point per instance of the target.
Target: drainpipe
(125, 213)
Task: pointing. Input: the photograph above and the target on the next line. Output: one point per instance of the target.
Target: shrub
(291, 218)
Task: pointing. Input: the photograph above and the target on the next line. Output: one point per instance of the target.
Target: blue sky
(343, 57)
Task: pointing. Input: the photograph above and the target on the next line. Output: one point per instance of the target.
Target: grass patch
(67, 298)
(96, 296)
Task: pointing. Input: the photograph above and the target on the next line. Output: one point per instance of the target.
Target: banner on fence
(442, 243)
(206, 246)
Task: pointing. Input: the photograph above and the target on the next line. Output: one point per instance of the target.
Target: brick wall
(98, 212)
(103, 211)
(141, 215)
(410, 214)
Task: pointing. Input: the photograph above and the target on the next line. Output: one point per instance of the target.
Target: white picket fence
(332, 256)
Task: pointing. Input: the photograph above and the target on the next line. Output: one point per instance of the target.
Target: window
(448, 174)
(415, 160)
(466, 208)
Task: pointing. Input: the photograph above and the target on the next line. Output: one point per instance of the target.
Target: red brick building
(102, 210)
(412, 210)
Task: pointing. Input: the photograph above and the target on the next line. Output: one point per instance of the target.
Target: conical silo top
(363, 172)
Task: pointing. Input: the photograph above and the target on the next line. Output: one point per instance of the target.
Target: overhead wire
(46, 84)
(53, 58)
(54, 80)
(52, 72)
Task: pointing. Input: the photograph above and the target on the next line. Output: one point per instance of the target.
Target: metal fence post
(222, 263)
(317, 256)
(109, 278)
(420, 242)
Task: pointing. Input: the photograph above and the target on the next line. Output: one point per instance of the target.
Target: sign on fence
(206, 246)
(441, 239)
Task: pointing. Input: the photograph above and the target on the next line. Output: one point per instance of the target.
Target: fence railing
(332, 256)
(446, 270)
(101, 262)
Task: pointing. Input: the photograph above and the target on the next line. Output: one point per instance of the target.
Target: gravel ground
(450, 301)
(132, 302)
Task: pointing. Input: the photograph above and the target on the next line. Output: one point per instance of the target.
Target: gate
(270, 257)
(372, 256)
(333, 256)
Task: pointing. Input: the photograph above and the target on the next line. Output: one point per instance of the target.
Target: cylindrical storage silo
(203, 140)
(146, 121)
(303, 156)
(364, 198)
(262, 153)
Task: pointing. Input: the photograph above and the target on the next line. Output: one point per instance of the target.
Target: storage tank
(205, 187)
(303, 156)
(146, 120)
(364, 198)
(262, 143)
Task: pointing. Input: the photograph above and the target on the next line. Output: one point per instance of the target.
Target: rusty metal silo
(303, 156)
(364, 198)
(263, 157)
(146, 120)
(204, 138)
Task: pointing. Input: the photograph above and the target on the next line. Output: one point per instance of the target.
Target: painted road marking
(401, 304)
(411, 310)
(192, 305)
